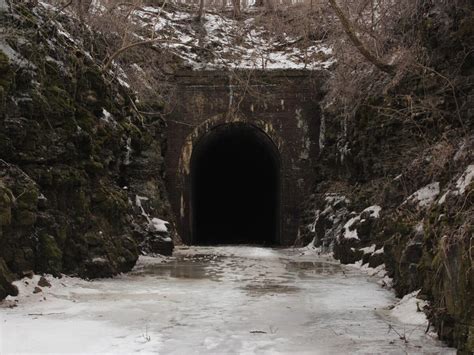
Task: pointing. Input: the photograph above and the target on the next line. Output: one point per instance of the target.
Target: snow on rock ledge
(462, 184)
(350, 228)
(227, 43)
(409, 310)
(425, 196)
(158, 225)
(354, 241)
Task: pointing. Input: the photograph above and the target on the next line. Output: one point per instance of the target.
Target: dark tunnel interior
(235, 174)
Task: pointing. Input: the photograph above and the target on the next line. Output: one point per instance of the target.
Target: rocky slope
(81, 184)
(395, 185)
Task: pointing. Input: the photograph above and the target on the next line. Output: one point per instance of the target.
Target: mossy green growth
(6, 73)
(68, 177)
(50, 257)
(6, 288)
(59, 101)
(53, 103)
(25, 217)
(94, 167)
(6, 77)
(85, 119)
(28, 199)
(110, 202)
(5, 205)
(470, 339)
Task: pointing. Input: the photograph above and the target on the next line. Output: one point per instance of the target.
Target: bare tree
(236, 8)
(200, 11)
(351, 33)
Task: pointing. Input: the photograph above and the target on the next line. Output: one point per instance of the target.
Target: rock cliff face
(80, 169)
(397, 191)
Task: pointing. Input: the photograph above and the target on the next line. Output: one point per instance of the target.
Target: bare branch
(119, 51)
(348, 28)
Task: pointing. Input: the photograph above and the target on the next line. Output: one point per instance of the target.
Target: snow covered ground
(222, 42)
(217, 300)
(218, 42)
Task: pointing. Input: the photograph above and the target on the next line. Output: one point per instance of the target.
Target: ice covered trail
(214, 300)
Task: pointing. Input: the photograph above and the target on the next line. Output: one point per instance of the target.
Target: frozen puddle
(217, 300)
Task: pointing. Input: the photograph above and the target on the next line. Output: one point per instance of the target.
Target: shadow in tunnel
(235, 172)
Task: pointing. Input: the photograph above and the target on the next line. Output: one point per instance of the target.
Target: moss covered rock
(6, 287)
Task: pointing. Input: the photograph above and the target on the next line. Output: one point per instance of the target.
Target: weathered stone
(28, 274)
(43, 282)
(6, 279)
(5, 206)
(160, 245)
(50, 255)
(287, 113)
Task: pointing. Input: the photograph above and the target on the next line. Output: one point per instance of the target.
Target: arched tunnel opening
(235, 191)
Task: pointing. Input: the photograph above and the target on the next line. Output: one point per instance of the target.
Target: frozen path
(215, 300)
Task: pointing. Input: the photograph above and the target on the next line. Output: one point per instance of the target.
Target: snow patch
(158, 225)
(425, 196)
(409, 310)
(235, 44)
(368, 250)
(461, 184)
(350, 232)
(465, 180)
(276, 291)
(154, 224)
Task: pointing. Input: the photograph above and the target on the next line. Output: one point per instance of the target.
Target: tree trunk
(201, 10)
(236, 6)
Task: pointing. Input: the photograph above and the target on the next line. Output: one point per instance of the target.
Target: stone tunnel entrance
(236, 146)
(235, 187)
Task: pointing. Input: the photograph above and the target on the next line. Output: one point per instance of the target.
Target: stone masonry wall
(283, 104)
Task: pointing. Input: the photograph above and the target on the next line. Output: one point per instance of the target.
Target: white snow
(369, 250)
(465, 180)
(242, 300)
(14, 56)
(154, 224)
(349, 231)
(378, 251)
(374, 211)
(228, 43)
(138, 203)
(128, 151)
(462, 183)
(158, 225)
(379, 273)
(334, 198)
(425, 196)
(409, 310)
(443, 198)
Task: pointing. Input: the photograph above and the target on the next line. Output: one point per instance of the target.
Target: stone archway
(235, 187)
(282, 105)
